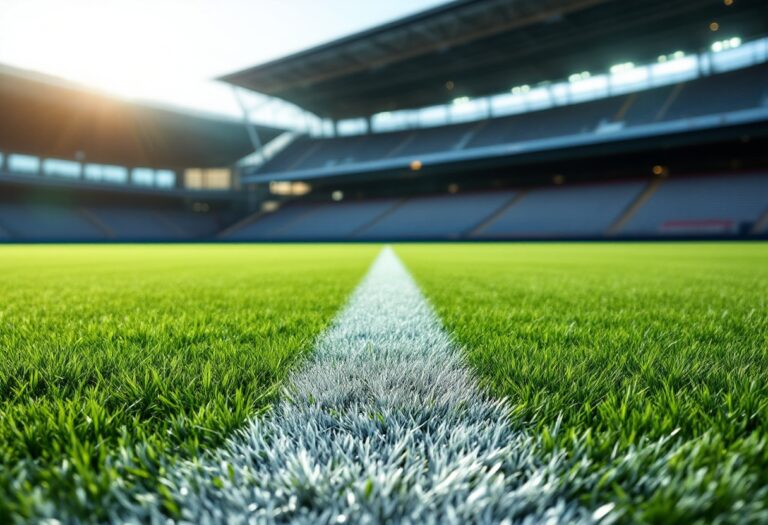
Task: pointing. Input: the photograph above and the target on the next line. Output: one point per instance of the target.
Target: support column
(307, 123)
(80, 159)
(253, 133)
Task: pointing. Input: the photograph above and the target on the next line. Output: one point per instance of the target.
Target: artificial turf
(645, 364)
(115, 360)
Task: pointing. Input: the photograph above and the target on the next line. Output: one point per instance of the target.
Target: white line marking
(384, 424)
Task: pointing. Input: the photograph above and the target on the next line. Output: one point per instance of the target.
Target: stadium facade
(476, 120)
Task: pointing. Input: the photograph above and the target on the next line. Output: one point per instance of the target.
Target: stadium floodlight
(270, 206)
(677, 55)
(460, 100)
(576, 77)
(620, 68)
(279, 188)
(723, 45)
(589, 88)
(519, 90)
(289, 188)
(627, 76)
(337, 195)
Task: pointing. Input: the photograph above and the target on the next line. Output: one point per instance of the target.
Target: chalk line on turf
(384, 423)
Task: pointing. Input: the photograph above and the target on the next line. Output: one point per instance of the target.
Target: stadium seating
(139, 224)
(580, 210)
(716, 94)
(709, 205)
(378, 146)
(555, 122)
(337, 220)
(742, 89)
(37, 222)
(435, 140)
(679, 206)
(432, 217)
(649, 106)
(270, 225)
(702, 206)
(331, 152)
(324, 153)
(290, 156)
(191, 225)
(60, 222)
(438, 217)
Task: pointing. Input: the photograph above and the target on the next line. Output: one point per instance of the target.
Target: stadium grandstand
(475, 120)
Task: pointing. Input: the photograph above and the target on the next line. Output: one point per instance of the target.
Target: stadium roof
(48, 117)
(482, 47)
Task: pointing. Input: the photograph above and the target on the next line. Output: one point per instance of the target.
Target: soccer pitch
(643, 363)
(150, 351)
(631, 377)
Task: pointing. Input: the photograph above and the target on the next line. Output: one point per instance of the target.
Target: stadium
(468, 261)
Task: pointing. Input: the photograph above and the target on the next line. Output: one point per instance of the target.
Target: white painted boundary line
(383, 424)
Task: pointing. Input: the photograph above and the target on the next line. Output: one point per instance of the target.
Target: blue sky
(168, 50)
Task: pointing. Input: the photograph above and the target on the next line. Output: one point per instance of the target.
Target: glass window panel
(61, 168)
(193, 178)
(23, 164)
(165, 178)
(143, 176)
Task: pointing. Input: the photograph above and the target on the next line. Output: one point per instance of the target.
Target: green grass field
(608, 348)
(158, 351)
(645, 364)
